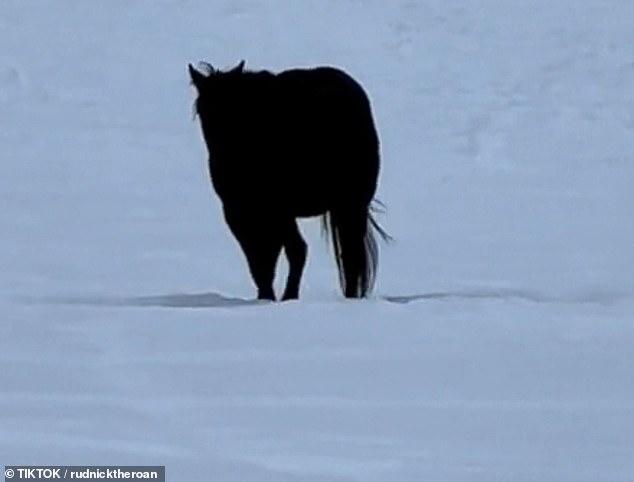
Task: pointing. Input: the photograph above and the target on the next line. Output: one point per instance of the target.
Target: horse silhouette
(295, 144)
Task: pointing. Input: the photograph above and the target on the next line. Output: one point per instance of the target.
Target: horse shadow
(217, 300)
(175, 300)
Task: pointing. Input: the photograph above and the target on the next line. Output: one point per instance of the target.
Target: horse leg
(261, 245)
(295, 249)
(262, 261)
(262, 255)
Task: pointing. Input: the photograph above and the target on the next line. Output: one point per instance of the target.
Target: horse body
(300, 143)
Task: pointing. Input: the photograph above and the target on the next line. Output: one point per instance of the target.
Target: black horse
(282, 146)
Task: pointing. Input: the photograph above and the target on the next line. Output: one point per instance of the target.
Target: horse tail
(356, 253)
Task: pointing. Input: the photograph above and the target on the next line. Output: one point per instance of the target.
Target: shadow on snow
(177, 300)
(217, 300)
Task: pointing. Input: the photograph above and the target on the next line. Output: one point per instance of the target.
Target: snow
(498, 346)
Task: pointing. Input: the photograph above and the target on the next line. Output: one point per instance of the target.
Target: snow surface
(499, 345)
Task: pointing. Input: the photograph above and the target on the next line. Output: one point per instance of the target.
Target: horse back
(321, 107)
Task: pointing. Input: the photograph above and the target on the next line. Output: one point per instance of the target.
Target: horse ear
(238, 69)
(196, 77)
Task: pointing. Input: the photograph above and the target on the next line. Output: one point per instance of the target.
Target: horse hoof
(266, 297)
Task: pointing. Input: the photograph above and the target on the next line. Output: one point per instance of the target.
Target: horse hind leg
(296, 252)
